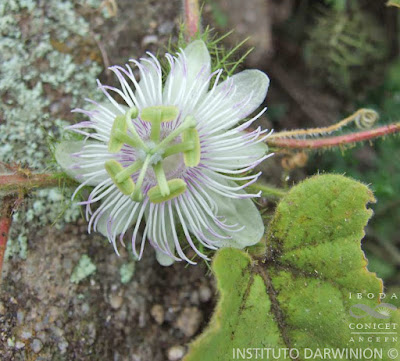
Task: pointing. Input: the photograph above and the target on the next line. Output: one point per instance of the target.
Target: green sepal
(127, 186)
(159, 113)
(119, 127)
(176, 187)
(191, 157)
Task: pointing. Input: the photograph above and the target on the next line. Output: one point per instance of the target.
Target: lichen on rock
(41, 78)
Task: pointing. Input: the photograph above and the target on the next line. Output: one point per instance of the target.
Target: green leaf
(339, 5)
(298, 294)
(393, 3)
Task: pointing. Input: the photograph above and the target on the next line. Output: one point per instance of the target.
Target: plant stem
(336, 141)
(24, 183)
(268, 190)
(5, 224)
(192, 18)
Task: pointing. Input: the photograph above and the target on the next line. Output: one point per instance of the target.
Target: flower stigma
(152, 152)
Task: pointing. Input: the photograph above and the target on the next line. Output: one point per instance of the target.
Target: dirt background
(43, 316)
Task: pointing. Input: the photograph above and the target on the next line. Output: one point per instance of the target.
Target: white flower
(171, 156)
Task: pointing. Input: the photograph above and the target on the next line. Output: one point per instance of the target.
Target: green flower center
(152, 152)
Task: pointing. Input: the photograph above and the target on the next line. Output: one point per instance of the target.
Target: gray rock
(205, 293)
(166, 27)
(36, 345)
(19, 345)
(176, 353)
(149, 39)
(26, 334)
(189, 321)
(157, 311)
(62, 346)
(116, 301)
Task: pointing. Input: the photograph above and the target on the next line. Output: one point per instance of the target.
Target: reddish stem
(5, 224)
(15, 183)
(192, 17)
(23, 183)
(334, 141)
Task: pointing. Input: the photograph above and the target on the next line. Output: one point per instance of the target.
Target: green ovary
(155, 115)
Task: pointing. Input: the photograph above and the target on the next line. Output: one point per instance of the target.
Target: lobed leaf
(298, 294)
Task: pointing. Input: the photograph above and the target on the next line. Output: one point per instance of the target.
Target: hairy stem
(6, 209)
(192, 17)
(337, 141)
(24, 183)
(268, 190)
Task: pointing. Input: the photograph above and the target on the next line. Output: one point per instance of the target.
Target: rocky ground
(109, 308)
(44, 316)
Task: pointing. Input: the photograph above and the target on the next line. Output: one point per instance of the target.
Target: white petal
(121, 221)
(248, 83)
(149, 90)
(160, 232)
(233, 152)
(102, 116)
(162, 258)
(189, 76)
(108, 108)
(78, 167)
(240, 212)
(233, 100)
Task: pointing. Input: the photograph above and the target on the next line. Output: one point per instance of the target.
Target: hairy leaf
(300, 294)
